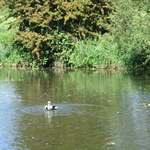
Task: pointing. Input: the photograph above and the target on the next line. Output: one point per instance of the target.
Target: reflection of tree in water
(117, 118)
(131, 127)
(65, 132)
(70, 87)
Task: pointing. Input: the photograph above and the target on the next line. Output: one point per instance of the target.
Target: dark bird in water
(49, 106)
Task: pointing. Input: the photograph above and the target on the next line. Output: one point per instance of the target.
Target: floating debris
(146, 104)
(111, 143)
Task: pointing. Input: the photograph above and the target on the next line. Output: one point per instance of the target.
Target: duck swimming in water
(146, 104)
(49, 107)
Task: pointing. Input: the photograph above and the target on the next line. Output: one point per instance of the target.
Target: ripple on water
(63, 109)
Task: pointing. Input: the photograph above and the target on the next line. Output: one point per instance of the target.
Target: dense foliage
(126, 45)
(83, 33)
(9, 56)
(48, 28)
(130, 29)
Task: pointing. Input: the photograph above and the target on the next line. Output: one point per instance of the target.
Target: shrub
(130, 28)
(8, 54)
(101, 52)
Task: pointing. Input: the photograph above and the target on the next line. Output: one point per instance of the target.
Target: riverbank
(87, 69)
(125, 45)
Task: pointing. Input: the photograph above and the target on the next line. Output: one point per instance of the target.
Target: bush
(101, 52)
(130, 28)
(127, 43)
(38, 50)
(8, 54)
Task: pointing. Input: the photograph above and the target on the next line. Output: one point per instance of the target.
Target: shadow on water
(97, 110)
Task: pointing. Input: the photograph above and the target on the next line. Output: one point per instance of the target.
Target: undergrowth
(8, 54)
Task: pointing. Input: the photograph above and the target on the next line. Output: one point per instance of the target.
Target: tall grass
(101, 52)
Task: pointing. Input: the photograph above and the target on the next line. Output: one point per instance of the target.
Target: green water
(96, 110)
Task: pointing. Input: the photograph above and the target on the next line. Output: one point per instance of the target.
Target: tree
(44, 24)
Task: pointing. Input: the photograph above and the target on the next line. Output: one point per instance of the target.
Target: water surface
(97, 110)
